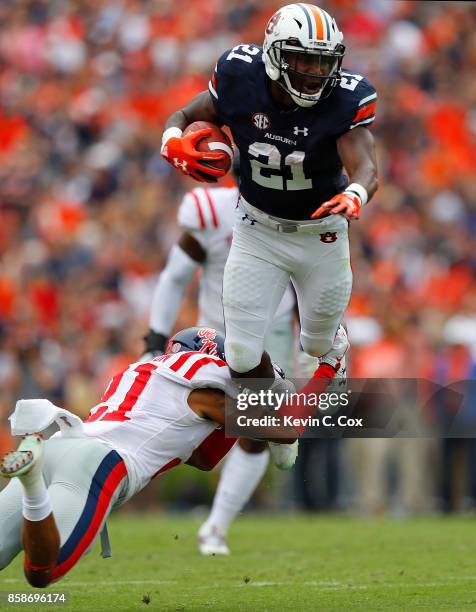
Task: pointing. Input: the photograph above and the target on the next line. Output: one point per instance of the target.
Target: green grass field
(278, 563)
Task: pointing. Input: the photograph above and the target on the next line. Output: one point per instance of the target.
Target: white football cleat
(335, 356)
(284, 455)
(340, 379)
(211, 542)
(28, 458)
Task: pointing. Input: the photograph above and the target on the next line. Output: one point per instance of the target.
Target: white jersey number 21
(269, 173)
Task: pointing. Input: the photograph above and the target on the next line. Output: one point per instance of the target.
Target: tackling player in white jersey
(152, 416)
(206, 217)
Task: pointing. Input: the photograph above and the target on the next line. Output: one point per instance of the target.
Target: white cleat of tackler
(21, 461)
(284, 455)
(211, 542)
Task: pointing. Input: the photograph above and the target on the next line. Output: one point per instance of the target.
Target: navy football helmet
(200, 339)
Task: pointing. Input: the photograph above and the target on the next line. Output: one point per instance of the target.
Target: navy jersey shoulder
(236, 70)
(289, 159)
(354, 101)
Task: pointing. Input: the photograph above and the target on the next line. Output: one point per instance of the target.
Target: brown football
(217, 142)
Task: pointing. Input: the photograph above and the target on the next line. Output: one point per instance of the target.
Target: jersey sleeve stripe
(368, 99)
(212, 85)
(364, 112)
(162, 358)
(190, 373)
(199, 210)
(369, 120)
(212, 208)
(181, 360)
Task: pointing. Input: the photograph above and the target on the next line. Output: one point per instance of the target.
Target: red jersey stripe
(181, 360)
(212, 208)
(144, 373)
(112, 388)
(200, 363)
(97, 415)
(199, 210)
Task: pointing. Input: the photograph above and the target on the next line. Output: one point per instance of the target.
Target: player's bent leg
(86, 480)
(279, 342)
(243, 470)
(252, 290)
(40, 538)
(323, 296)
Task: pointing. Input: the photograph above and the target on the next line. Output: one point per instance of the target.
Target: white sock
(239, 478)
(36, 499)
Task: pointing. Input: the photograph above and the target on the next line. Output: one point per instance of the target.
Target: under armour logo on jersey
(328, 237)
(261, 121)
(303, 131)
(179, 164)
(248, 218)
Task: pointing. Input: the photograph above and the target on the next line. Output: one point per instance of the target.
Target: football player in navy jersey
(307, 167)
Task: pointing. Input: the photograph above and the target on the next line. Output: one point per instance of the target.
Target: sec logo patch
(261, 121)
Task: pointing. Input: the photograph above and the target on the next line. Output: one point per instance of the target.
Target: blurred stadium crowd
(87, 206)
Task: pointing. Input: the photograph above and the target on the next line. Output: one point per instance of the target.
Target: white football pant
(259, 266)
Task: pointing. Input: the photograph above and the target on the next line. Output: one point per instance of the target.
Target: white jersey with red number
(145, 417)
(208, 215)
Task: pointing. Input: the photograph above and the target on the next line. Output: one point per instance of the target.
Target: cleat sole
(16, 463)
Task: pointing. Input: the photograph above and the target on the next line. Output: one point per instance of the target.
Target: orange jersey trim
(365, 112)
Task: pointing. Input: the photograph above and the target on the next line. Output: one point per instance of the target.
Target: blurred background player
(308, 166)
(206, 217)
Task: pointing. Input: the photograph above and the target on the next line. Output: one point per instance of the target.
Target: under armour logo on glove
(183, 155)
(182, 165)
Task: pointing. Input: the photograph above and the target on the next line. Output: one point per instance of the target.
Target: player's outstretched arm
(356, 149)
(212, 404)
(183, 259)
(181, 151)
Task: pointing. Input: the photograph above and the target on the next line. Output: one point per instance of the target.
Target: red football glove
(182, 154)
(346, 204)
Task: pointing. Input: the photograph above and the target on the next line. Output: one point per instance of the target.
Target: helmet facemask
(307, 75)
